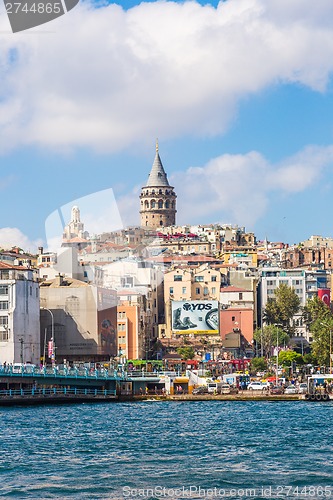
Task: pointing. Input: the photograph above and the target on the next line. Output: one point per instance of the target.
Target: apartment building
(306, 284)
(185, 284)
(81, 318)
(19, 315)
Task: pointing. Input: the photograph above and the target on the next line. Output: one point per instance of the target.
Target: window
(3, 289)
(214, 278)
(213, 290)
(197, 291)
(184, 290)
(270, 282)
(233, 318)
(206, 291)
(4, 332)
(4, 321)
(198, 279)
(171, 290)
(177, 277)
(4, 305)
(240, 296)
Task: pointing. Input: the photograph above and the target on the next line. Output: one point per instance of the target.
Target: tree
(258, 365)
(286, 358)
(186, 352)
(319, 320)
(288, 303)
(315, 309)
(322, 340)
(269, 337)
(281, 309)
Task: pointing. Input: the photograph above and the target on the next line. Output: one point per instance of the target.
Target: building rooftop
(228, 289)
(157, 176)
(5, 266)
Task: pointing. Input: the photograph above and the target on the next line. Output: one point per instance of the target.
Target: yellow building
(188, 284)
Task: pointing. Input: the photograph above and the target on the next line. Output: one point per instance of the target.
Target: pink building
(235, 318)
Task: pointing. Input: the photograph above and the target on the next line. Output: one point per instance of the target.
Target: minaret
(158, 199)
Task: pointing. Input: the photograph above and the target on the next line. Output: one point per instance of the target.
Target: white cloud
(12, 236)
(238, 188)
(107, 78)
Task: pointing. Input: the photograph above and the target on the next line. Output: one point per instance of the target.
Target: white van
(214, 387)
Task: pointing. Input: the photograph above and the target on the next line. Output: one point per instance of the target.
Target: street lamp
(277, 356)
(52, 337)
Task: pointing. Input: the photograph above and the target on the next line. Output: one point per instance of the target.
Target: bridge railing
(45, 371)
(56, 391)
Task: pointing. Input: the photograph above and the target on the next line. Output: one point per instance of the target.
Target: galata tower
(158, 199)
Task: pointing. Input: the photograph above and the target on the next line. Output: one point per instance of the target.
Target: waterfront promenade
(53, 385)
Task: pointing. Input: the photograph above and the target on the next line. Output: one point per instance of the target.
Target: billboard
(195, 317)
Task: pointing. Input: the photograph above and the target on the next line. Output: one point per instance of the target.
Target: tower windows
(160, 203)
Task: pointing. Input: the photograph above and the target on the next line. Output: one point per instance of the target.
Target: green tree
(281, 309)
(310, 359)
(315, 309)
(319, 320)
(269, 337)
(322, 340)
(286, 358)
(258, 365)
(186, 352)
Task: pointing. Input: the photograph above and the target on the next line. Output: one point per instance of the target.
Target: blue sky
(240, 97)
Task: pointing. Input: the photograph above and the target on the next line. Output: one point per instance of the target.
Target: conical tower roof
(157, 176)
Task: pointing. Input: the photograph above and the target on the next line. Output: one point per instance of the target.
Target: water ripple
(87, 452)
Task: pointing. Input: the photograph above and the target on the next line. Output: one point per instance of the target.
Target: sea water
(204, 449)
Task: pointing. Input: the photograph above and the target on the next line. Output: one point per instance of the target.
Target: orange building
(233, 318)
(129, 331)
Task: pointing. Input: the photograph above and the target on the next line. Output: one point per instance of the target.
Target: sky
(239, 94)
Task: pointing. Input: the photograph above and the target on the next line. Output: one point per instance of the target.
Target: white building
(65, 262)
(19, 315)
(306, 284)
(75, 228)
(232, 296)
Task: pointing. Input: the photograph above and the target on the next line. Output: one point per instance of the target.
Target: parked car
(303, 388)
(225, 389)
(276, 389)
(257, 386)
(202, 389)
(291, 389)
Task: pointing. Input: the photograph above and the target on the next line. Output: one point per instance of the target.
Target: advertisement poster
(195, 317)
